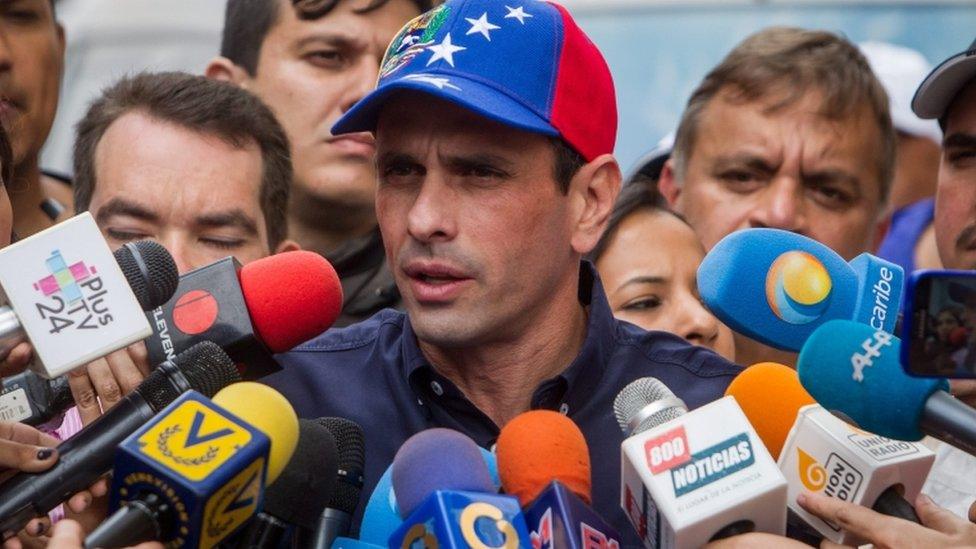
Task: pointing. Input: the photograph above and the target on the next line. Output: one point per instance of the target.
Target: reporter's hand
(964, 390)
(16, 360)
(757, 540)
(939, 528)
(68, 534)
(103, 382)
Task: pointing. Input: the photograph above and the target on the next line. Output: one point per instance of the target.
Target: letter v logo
(195, 437)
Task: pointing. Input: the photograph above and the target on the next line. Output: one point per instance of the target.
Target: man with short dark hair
(790, 131)
(495, 124)
(310, 61)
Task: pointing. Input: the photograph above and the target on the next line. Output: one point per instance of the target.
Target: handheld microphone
(822, 454)
(27, 397)
(335, 518)
(854, 371)
(690, 478)
(777, 287)
(196, 472)
(63, 290)
(543, 460)
(89, 454)
(267, 306)
(300, 493)
(381, 517)
(447, 497)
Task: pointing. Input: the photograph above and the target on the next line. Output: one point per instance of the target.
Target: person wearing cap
(910, 240)
(495, 125)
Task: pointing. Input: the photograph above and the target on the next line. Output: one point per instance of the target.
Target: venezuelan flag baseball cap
(522, 63)
(941, 86)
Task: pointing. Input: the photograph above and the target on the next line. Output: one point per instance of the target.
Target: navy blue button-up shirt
(375, 374)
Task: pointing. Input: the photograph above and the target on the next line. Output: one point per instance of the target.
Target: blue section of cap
(733, 279)
(506, 54)
(838, 367)
(381, 517)
(437, 459)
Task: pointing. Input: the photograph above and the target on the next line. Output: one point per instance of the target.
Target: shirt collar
(577, 381)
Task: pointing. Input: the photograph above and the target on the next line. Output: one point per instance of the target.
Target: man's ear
(287, 246)
(221, 68)
(597, 184)
(667, 185)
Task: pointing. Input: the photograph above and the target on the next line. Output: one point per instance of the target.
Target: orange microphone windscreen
(291, 297)
(539, 447)
(770, 394)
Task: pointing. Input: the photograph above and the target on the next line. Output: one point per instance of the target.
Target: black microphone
(31, 399)
(299, 495)
(89, 454)
(334, 521)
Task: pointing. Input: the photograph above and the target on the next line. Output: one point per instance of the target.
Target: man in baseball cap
(495, 125)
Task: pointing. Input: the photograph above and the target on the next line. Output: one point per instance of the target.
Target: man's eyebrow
(230, 218)
(332, 37)
(481, 159)
(751, 161)
(959, 140)
(394, 157)
(121, 206)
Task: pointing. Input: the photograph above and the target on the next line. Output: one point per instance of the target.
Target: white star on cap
(481, 25)
(436, 81)
(517, 13)
(445, 50)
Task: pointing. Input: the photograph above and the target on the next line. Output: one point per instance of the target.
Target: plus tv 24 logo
(72, 296)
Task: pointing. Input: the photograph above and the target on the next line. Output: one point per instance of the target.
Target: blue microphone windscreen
(853, 369)
(437, 459)
(775, 286)
(381, 517)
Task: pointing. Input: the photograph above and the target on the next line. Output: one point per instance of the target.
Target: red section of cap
(195, 312)
(584, 108)
(292, 297)
(539, 447)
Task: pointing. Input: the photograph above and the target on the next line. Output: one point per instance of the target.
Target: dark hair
(200, 104)
(247, 23)
(782, 65)
(638, 195)
(566, 163)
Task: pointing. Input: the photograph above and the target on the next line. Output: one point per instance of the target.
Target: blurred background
(658, 50)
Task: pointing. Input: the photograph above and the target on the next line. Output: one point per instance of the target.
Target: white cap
(941, 86)
(900, 71)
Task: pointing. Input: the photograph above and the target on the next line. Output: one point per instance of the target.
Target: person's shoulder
(656, 349)
(381, 326)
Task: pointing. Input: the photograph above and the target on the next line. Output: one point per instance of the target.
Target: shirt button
(564, 409)
(436, 387)
(420, 402)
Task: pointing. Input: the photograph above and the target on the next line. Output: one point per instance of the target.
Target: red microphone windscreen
(291, 297)
(539, 447)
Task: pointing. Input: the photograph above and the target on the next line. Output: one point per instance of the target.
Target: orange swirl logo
(812, 474)
(798, 287)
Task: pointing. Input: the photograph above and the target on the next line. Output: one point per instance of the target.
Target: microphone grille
(644, 404)
(350, 444)
(150, 271)
(205, 366)
(307, 482)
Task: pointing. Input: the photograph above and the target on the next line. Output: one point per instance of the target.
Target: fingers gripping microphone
(267, 306)
(544, 461)
(689, 478)
(89, 454)
(777, 287)
(64, 292)
(822, 454)
(196, 472)
(31, 399)
(447, 496)
(854, 371)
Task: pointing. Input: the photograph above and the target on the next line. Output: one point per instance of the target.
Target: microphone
(822, 454)
(63, 290)
(777, 287)
(446, 496)
(381, 517)
(543, 460)
(691, 478)
(300, 493)
(854, 371)
(196, 471)
(89, 454)
(267, 306)
(28, 398)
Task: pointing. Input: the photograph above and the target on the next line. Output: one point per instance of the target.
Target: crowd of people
(455, 163)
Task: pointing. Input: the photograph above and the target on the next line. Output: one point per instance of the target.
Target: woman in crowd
(648, 258)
